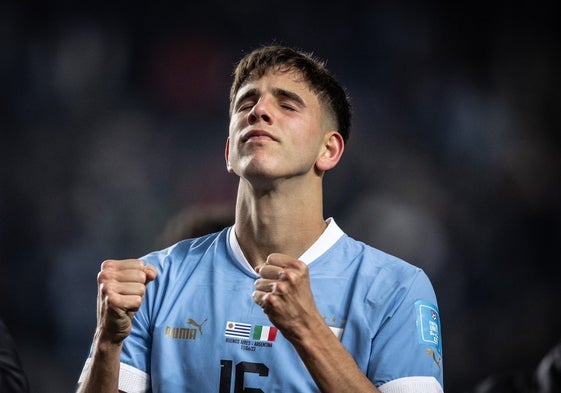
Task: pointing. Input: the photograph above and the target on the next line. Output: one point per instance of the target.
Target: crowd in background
(113, 119)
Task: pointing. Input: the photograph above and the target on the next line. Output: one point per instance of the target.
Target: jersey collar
(327, 239)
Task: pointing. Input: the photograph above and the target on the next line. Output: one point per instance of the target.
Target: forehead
(289, 80)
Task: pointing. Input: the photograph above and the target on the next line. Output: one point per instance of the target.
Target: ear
(227, 156)
(331, 151)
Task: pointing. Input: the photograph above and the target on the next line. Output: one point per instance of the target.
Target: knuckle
(112, 299)
(136, 302)
(273, 302)
(301, 265)
(278, 288)
(138, 264)
(139, 276)
(108, 264)
(107, 289)
(103, 276)
(290, 275)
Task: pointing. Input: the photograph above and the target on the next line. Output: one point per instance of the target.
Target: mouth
(257, 136)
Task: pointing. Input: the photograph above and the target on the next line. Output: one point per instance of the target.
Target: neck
(272, 220)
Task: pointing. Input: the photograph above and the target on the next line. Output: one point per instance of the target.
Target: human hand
(285, 295)
(121, 288)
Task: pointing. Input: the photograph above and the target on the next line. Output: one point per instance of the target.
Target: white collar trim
(327, 239)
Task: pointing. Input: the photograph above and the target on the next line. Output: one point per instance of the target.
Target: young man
(283, 301)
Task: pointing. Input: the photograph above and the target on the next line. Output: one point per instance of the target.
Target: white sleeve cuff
(412, 385)
(131, 380)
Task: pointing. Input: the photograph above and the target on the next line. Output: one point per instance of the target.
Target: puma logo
(431, 353)
(194, 323)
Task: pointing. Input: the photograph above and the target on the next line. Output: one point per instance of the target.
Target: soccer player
(283, 300)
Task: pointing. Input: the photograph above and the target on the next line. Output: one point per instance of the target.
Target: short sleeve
(408, 343)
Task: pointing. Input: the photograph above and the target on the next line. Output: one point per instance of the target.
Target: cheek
(308, 136)
(232, 127)
(237, 121)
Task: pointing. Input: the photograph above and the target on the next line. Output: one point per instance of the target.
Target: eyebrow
(251, 93)
(277, 92)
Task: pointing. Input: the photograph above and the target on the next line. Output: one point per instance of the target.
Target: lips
(257, 135)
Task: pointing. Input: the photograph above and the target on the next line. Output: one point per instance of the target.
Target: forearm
(103, 374)
(329, 363)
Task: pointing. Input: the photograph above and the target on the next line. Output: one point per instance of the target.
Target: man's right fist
(121, 288)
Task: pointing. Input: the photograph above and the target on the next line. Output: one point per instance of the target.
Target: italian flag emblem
(264, 333)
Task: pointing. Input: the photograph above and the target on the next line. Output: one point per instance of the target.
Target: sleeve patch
(428, 325)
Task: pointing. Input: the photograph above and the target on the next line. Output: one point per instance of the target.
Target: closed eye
(247, 100)
(288, 107)
(245, 106)
(289, 100)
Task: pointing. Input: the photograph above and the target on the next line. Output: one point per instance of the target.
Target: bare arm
(284, 293)
(103, 375)
(121, 288)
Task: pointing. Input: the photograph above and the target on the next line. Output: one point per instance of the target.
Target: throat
(258, 242)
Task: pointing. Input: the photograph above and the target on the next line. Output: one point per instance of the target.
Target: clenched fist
(284, 293)
(121, 288)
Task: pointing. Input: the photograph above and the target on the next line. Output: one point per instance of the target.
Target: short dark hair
(322, 82)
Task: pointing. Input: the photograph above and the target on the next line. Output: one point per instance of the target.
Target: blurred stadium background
(113, 117)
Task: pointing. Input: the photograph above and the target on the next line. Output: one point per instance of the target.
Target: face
(276, 129)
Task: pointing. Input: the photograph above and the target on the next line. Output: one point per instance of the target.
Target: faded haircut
(330, 92)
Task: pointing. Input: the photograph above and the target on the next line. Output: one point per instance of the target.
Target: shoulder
(187, 252)
(376, 261)
(384, 276)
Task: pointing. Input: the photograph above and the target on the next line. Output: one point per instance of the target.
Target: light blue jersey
(199, 330)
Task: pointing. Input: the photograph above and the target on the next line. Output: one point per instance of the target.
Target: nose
(259, 112)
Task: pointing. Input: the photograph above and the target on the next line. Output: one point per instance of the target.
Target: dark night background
(113, 118)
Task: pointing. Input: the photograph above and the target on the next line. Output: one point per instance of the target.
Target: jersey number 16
(241, 369)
